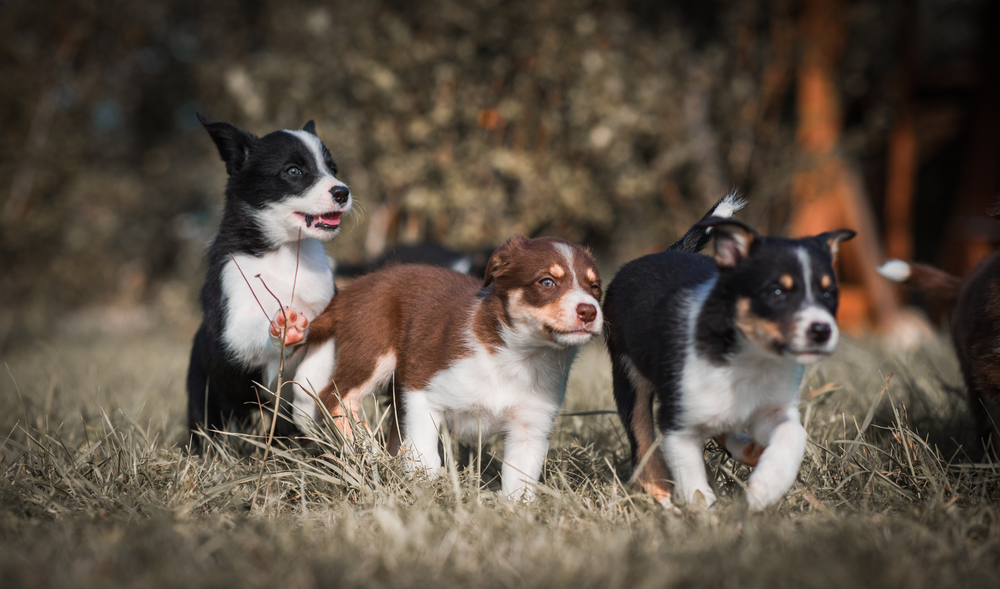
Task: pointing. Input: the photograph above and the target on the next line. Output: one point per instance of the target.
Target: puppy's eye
(547, 282)
(293, 171)
(778, 293)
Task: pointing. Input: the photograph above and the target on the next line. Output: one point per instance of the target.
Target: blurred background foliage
(613, 123)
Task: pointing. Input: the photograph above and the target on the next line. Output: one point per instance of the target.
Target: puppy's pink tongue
(331, 218)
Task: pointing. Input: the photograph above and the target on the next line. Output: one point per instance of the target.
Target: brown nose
(585, 312)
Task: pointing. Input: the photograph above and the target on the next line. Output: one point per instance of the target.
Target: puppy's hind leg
(348, 391)
(634, 398)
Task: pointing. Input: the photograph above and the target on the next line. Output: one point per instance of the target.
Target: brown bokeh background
(615, 124)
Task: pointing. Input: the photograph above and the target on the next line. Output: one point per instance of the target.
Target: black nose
(819, 332)
(340, 194)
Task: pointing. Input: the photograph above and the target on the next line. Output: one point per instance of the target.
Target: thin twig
(295, 277)
(277, 391)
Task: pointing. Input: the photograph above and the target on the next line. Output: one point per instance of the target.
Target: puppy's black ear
(501, 259)
(732, 240)
(310, 127)
(234, 144)
(832, 239)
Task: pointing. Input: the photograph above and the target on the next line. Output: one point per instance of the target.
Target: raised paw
(292, 323)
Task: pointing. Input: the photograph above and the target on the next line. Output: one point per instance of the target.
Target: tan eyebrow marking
(591, 275)
(557, 271)
(786, 281)
(825, 281)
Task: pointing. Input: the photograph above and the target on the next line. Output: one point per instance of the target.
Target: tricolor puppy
(282, 201)
(482, 357)
(719, 342)
(975, 330)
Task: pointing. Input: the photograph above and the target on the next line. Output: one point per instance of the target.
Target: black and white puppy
(282, 201)
(720, 344)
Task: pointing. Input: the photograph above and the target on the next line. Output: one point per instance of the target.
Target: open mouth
(326, 221)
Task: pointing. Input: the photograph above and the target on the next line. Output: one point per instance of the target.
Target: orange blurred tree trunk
(827, 193)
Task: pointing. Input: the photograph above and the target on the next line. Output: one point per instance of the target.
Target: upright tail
(698, 237)
(935, 283)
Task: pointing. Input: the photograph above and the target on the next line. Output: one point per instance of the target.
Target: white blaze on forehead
(811, 311)
(567, 252)
(581, 295)
(315, 147)
(806, 262)
(577, 295)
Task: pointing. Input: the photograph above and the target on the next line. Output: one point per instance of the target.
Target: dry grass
(96, 491)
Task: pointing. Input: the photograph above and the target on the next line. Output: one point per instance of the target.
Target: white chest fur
(511, 387)
(724, 399)
(246, 326)
(721, 399)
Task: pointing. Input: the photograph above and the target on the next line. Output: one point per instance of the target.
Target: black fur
(648, 306)
(975, 329)
(698, 236)
(220, 389)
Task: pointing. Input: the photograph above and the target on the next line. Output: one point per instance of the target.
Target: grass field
(96, 491)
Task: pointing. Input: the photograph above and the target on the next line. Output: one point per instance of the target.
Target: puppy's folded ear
(832, 239)
(310, 127)
(500, 261)
(733, 240)
(234, 144)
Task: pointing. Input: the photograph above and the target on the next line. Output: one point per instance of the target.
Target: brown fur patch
(764, 333)
(420, 316)
(415, 308)
(935, 283)
(786, 281)
(591, 275)
(826, 281)
(653, 477)
(557, 271)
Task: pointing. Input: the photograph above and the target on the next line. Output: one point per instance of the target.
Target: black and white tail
(697, 237)
(935, 283)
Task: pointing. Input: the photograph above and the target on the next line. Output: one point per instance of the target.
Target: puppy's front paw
(293, 324)
(761, 495)
(700, 499)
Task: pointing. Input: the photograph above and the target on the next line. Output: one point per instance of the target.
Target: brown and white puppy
(482, 357)
(975, 330)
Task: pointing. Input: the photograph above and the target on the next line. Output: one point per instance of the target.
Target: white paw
(668, 504)
(700, 498)
(526, 494)
(761, 495)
